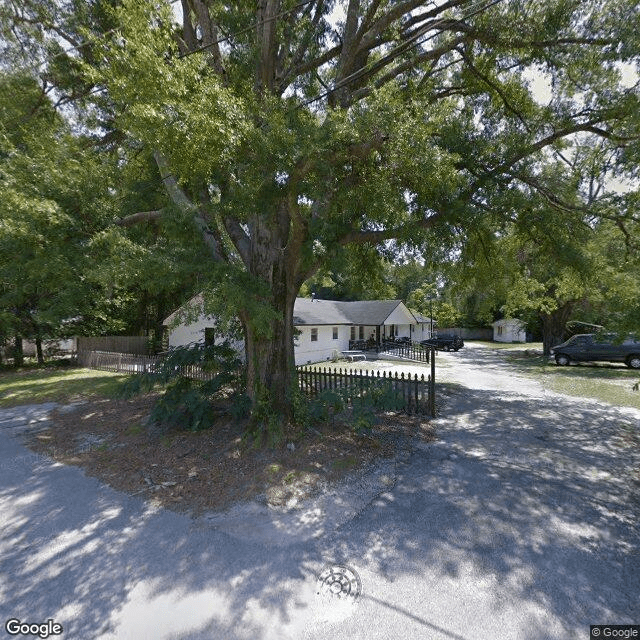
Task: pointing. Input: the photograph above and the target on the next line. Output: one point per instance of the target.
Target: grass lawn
(509, 346)
(29, 386)
(607, 382)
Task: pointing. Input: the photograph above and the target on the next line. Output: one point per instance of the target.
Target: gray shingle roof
(421, 318)
(323, 312)
(361, 312)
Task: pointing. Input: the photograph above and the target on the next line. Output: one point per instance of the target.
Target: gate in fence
(402, 392)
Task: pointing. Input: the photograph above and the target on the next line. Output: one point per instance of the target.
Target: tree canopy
(289, 133)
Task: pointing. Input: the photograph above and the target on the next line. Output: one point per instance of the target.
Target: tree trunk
(275, 251)
(158, 327)
(39, 350)
(554, 326)
(18, 355)
(271, 376)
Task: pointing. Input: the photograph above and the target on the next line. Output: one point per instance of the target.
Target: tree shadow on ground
(519, 507)
(528, 502)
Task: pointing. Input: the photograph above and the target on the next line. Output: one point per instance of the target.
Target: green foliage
(445, 314)
(190, 403)
(348, 406)
(265, 424)
(54, 198)
(308, 145)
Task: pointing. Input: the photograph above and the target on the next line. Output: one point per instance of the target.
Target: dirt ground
(211, 469)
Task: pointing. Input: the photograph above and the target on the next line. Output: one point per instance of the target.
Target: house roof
(420, 319)
(506, 321)
(361, 312)
(322, 312)
(196, 302)
(308, 311)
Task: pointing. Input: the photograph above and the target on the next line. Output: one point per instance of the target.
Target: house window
(314, 334)
(209, 336)
(499, 331)
(335, 333)
(360, 333)
(353, 333)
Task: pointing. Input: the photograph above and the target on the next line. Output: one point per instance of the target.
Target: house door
(378, 334)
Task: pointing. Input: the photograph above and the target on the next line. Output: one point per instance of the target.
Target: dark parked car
(446, 342)
(593, 347)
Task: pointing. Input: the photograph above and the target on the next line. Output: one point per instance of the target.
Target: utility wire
(372, 67)
(391, 54)
(184, 55)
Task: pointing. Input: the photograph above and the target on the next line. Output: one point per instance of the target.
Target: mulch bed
(210, 469)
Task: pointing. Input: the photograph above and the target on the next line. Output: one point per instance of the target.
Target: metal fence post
(432, 385)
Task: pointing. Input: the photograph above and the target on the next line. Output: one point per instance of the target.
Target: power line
(77, 47)
(412, 42)
(391, 54)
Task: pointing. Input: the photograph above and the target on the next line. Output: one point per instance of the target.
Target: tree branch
(141, 216)
(433, 54)
(239, 238)
(377, 236)
(493, 85)
(180, 198)
(176, 194)
(528, 150)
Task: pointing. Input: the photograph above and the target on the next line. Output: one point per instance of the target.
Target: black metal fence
(404, 349)
(397, 391)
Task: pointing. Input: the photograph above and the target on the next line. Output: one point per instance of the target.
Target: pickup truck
(446, 342)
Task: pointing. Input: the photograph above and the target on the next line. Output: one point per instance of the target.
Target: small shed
(509, 330)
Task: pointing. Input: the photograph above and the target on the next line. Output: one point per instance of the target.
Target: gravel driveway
(520, 522)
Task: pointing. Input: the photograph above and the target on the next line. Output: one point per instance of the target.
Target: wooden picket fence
(134, 363)
(406, 392)
(138, 345)
(413, 394)
(117, 362)
(405, 351)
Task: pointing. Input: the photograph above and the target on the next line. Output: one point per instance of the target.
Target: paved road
(520, 522)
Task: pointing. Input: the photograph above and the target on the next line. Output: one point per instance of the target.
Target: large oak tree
(291, 132)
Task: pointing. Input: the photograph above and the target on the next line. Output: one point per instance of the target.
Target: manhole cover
(339, 581)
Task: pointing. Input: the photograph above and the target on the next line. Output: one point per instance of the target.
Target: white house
(509, 330)
(423, 328)
(325, 327)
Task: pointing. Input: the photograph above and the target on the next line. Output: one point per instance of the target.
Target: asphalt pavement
(519, 522)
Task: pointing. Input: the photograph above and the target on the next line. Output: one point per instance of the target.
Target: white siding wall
(183, 335)
(421, 331)
(509, 331)
(323, 348)
(401, 316)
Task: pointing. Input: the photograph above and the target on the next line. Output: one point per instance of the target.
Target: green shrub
(189, 403)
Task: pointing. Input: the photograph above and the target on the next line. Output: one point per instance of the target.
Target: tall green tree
(54, 197)
(291, 132)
